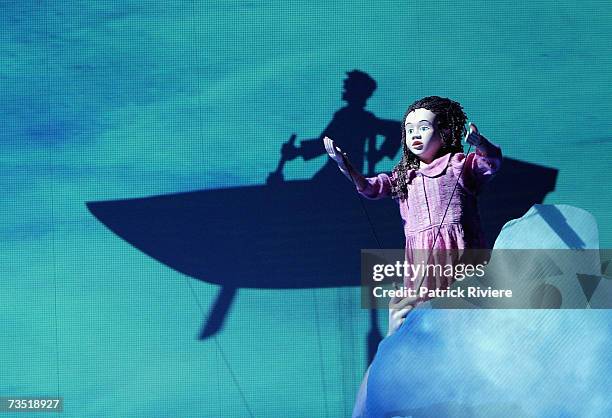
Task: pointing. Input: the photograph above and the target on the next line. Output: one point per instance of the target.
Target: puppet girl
(436, 184)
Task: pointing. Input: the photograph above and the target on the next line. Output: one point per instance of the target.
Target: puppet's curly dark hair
(450, 122)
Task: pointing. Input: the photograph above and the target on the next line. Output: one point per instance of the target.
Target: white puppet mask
(422, 135)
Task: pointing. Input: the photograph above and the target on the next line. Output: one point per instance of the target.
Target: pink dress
(429, 194)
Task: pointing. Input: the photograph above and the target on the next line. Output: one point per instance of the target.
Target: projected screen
(176, 241)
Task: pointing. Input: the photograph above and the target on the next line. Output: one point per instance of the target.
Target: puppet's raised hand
(473, 137)
(338, 156)
(483, 145)
(344, 164)
(334, 152)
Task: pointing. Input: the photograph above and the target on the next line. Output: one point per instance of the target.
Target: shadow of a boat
(297, 234)
(290, 235)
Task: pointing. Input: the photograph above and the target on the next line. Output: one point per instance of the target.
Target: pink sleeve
(478, 168)
(378, 187)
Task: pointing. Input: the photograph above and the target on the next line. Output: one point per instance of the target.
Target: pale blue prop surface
(458, 363)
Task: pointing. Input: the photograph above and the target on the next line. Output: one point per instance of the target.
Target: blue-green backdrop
(118, 99)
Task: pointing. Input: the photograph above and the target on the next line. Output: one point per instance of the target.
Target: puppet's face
(422, 136)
